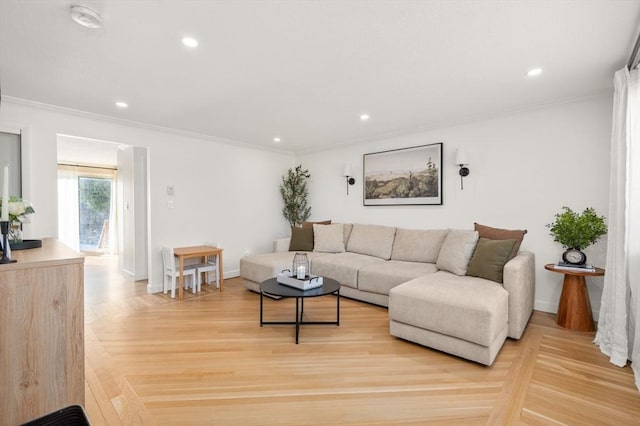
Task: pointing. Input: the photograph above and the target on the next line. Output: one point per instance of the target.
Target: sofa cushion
(489, 258)
(414, 245)
(469, 308)
(301, 239)
(372, 240)
(328, 238)
(342, 267)
(260, 267)
(382, 277)
(502, 234)
(456, 251)
(347, 232)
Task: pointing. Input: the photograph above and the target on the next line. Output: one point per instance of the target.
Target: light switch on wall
(170, 190)
(170, 204)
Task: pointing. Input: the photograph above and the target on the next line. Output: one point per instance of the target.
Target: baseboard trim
(552, 308)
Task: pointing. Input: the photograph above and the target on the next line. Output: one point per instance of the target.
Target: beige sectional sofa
(421, 276)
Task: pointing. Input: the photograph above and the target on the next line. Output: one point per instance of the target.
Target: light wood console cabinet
(41, 332)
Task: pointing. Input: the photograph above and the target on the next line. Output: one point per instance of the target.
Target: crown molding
(146, 126)
(505, 112)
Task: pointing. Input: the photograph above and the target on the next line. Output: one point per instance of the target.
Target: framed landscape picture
(406, 176)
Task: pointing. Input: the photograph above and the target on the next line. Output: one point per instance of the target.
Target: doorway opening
(87, 209)
(102, 201)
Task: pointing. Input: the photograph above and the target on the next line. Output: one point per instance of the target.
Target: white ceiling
(305, 71)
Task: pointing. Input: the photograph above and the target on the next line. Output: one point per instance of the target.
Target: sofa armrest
(520, 281)
(281, 244)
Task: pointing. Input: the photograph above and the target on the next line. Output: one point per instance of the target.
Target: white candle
(301, 272)
(5, 195)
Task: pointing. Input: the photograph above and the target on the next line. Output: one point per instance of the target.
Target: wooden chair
(172, 271)
(211, 265)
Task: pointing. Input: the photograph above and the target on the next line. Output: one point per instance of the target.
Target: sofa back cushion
(372, 240)
(347, 227)
(456, 251)
(418, 245)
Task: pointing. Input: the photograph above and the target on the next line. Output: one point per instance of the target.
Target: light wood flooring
(206, 361)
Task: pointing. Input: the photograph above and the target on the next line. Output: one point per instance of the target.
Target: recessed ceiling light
(86, 16)
(533, 72)
(364, 117)
(190, 42)
(276, 140)
(121, 104)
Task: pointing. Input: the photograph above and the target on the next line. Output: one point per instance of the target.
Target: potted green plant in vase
(294, 195)
(576, 232)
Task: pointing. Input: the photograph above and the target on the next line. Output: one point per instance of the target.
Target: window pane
(94, 199)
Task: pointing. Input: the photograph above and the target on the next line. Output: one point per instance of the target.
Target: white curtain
(68, 216)
(619, 322)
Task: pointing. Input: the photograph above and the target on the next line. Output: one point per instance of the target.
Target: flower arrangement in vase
(19, 209)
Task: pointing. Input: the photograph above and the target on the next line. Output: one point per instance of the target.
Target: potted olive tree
(294, 195)
(576, 232)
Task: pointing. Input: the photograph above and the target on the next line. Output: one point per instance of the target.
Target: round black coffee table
(274, 288)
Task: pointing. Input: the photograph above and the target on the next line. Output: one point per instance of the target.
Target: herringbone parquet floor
(206, 361)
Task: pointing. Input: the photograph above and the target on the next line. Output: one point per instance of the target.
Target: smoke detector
(86, 16)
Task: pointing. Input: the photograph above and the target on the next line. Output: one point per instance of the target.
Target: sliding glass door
(94, 202)
(86, 208)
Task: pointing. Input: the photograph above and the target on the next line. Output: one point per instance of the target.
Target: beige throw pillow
(328, 238)
(456, 251)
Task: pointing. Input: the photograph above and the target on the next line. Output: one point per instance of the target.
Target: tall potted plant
(576, 232)
(294, 195)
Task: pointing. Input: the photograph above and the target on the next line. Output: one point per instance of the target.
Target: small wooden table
(202, 252)
(574, 309)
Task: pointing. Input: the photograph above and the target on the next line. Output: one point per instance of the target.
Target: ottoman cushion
(469, 308)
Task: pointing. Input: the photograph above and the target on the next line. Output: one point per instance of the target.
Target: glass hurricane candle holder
(300, 267)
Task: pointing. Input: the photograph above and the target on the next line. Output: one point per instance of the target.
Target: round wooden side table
(574, 309)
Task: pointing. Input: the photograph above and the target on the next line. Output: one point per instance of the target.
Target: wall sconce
(348, 174)
(461, 161)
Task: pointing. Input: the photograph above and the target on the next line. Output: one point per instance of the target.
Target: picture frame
(405, 176)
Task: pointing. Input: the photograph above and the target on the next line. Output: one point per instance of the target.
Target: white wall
(224, 193)
(132, 212)
(524, 168)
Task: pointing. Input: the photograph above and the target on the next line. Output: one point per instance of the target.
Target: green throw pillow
(301, 239)
(489, 258)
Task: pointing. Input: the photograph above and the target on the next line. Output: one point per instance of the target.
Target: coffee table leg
(260, 309)
(297, 320)
(338, 309)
